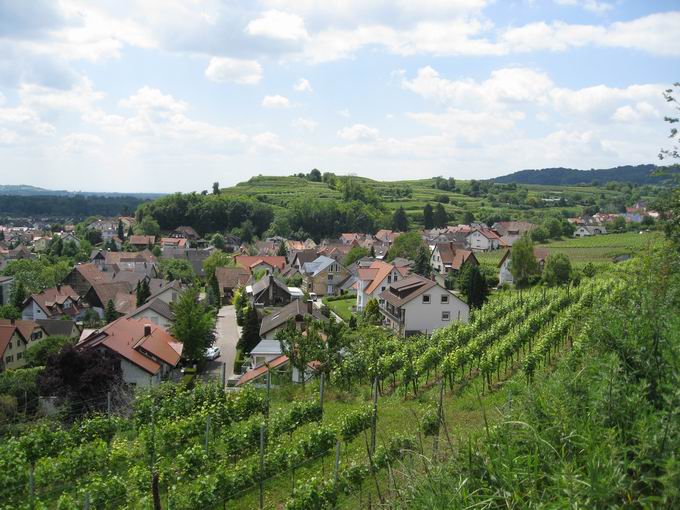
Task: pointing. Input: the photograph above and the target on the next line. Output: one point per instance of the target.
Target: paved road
(227, 335)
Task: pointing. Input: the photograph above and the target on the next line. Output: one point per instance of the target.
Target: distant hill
(24, 190)
(640, 174)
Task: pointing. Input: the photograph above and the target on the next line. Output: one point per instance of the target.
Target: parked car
(212, 353)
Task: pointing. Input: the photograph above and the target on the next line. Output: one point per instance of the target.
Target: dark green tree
(406, 246)
(110, 313)
(18, 295)
(121, 231)
(142, 291)
(216, 188)
(540, 234)
(218, 241)
(214, 292)
(250, 335)
(355, 254)
(554, 227)
(440, 218)
(372, 253)
(557, 270)
(473, 285)
(428, 216)
(421, 264)
(193, 324)
(372, 313)
(523, 264)
(130, 232)
(282, 251)
(468, 217)
(400, 220)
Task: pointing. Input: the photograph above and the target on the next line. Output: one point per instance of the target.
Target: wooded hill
(640, 174)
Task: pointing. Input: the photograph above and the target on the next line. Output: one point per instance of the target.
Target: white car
(212, 353)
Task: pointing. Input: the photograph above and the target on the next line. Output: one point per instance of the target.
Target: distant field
(599, 249)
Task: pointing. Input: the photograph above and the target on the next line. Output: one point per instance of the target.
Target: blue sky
(172, 95)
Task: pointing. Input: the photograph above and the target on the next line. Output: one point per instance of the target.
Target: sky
(173, 95)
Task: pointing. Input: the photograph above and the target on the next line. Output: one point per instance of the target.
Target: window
(9, 359)
(389, 278)
(382, 288)
(9, 346)
(330, 277)
(445, 299)
(426, 299)
(446, 316)
(19, 355)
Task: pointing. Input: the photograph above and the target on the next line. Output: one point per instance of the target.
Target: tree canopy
(193, 324)
(522, 261)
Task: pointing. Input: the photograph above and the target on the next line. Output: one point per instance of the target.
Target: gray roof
(55, 327)
(157, 305)
(319, 264)
(280, 316)
(267, 347)
(265, 281)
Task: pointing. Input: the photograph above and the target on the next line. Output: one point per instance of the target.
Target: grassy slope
(278, 191)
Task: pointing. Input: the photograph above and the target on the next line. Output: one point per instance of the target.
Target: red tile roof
(125, 337)
(249, 261)
(258, 372)
(452, 255)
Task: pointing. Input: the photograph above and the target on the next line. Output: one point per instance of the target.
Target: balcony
(394, 315)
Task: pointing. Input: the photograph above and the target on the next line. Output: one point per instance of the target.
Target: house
(335, 250)
(141, 242)
(269, 291)
(70, 237)
(323, 276)
(185, 232)
(264, 352)
(504, 274)
(168, 292)
(511, 231)
(231, 243)
(195, 257)
(294, 246)
(484, 239)
(296, 311)
(6, 284)
(59, 327)
(173, 242)
(54, 303)
(15, 337)
(449, 257)
(155, 310)
(418, 305)
(302, 257)
(374, 279)
(230, 278)
(351, 237)
(147, 352)
(41, 244)
(119, 292)
(257, 263)
(386, 236)
(142, 262)
(587, 230)
(276, 364)
(83, 276)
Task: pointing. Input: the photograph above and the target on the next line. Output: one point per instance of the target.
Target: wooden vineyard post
(261, 481)
(374, 420)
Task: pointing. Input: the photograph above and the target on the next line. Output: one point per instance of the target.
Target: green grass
(342, 307)
(603, 248)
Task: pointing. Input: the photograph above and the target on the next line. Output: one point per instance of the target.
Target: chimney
(58, 288)
(147, 329)
(12, 322)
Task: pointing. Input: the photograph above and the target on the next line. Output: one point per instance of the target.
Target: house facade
(147, 353)
(324, 276)
(15, 337)
(417, 305)
(375, 278)
(588, 230)
(450, 257)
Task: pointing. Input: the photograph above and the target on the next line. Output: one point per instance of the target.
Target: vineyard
(331, 443)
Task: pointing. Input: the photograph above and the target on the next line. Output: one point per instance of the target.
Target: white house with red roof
(374, 279)
(146, 351)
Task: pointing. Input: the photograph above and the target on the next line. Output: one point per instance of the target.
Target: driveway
(226, 337)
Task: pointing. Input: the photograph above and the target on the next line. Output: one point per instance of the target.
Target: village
(120, 300)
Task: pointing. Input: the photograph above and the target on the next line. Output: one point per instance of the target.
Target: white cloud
(504, 85)
(304, 124)
(588, 5)
(150, 99)
(358, 132)
(81, 97)
(269, 141)
(275, 102)
(303, 85)
(81, 143)
(244, 72)
(278, 25)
